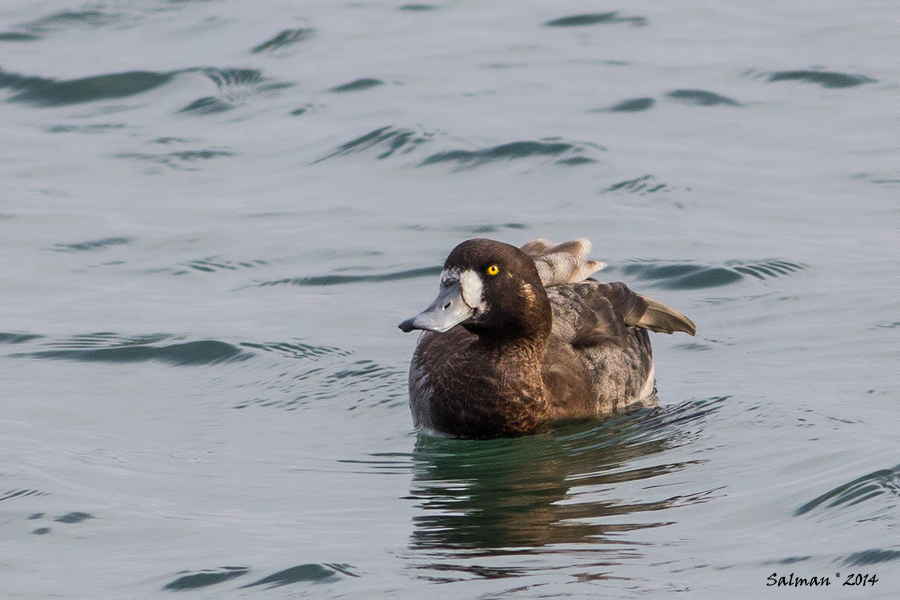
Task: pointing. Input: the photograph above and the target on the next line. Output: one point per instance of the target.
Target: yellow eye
(492, 270)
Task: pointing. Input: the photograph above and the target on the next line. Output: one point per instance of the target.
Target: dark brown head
(493, 290)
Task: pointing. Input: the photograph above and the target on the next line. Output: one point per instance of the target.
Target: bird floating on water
(520, 337)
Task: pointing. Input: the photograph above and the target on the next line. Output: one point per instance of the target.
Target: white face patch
(472, 290)
(470, 286)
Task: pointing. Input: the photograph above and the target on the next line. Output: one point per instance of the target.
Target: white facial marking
(472, 290)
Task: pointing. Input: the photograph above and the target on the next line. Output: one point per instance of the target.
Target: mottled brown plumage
(502, 355)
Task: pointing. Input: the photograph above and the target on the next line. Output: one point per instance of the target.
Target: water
(214, 214)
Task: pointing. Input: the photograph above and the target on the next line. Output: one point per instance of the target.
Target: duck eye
(492, 270)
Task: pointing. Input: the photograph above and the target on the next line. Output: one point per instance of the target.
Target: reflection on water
(518, 495)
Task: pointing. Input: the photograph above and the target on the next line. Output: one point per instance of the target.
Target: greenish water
(214, 214)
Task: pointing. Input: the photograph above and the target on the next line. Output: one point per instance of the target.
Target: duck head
(490, 288)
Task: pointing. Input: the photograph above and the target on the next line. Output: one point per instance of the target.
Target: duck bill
(447, 310)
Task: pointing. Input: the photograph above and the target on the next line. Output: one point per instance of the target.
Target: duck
(522, 337)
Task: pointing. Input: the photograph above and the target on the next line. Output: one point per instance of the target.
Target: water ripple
(90, 128)
(74, 517)
(871, 557)
(549, 147)
(181, 160)
(297, 350)
(631, 105)
(595, 19)
(205, 578)
(357, 85)
(92, 245)
(305, 573)
(689, 276)
(213, 264)
(9, 495)
(46, 92)
(329, 376)
(314, 573)
(286, 375)
(387, 140)
(235, 86)
(324, 280)
(701, 98)
(284, 38)
(827, 79)
(884, 481)
(18, 338)
(112, 348)
(35, 30)
(479, 229)
(18, 36)
(643, 185)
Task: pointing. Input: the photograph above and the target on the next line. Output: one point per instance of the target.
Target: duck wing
(589, 313)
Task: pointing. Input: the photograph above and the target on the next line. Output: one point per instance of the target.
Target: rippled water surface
(214, 214)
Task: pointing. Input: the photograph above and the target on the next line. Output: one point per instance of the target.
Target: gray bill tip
(407, 325)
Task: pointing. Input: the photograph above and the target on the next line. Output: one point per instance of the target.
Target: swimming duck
(520, 337)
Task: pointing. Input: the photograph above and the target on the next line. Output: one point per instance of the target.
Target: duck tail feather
(558, 264)
(664, 319)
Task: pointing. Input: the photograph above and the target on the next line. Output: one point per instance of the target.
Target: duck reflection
(519, 493)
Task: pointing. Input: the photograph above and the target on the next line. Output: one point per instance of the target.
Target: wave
(69, 518)
(205, 578)
(92, 245)
(513, 151)
(10, 494)
(312, 572)
(827, 79)
(187, 159)
(234, 86)
(386, 140)
(595, 19)
(306, 573)
(479, 229)
(68, 19)
(324, 280)
(701, 98)
(283, 39)
(211, 265)
(357, 85)
(286, 375)
(46, 92)
(359, 383)
(690, 276)
(645, 184)
(18, 338)
(631, 105)
(112, 348)
(389, 141)
(296, 350)
(693, 97)
(877, 483)
(871, 557)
